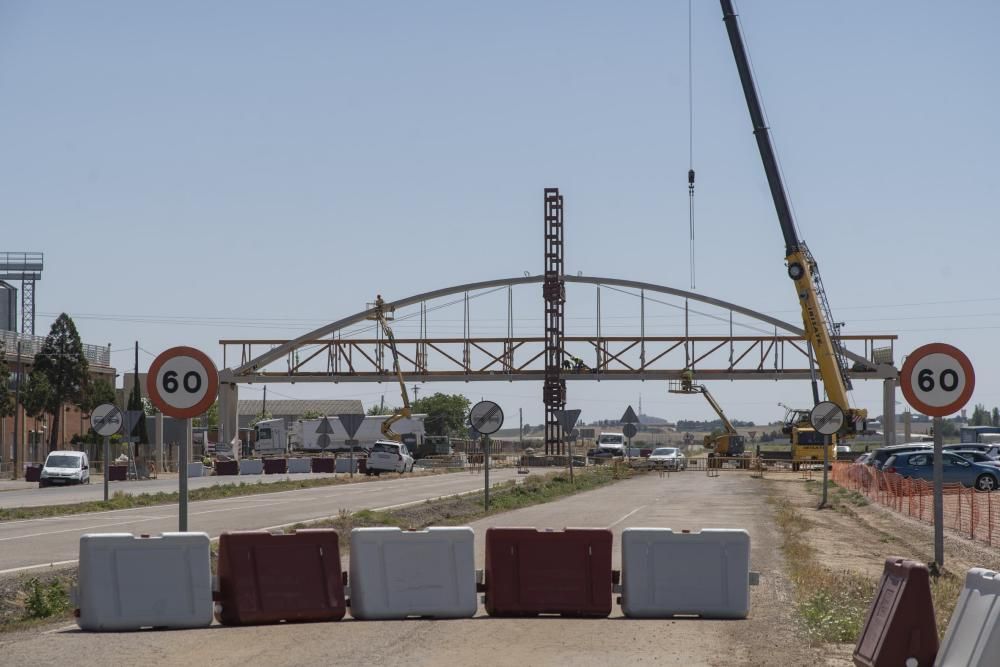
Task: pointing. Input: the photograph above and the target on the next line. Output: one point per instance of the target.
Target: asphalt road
(682, 501)
(27, 494)
(39, 542)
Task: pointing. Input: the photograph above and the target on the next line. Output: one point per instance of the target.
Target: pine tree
(64, 367)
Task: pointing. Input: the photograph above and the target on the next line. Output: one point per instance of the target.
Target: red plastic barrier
(32, 473)
(117, 473)
(531, 572)
(268, 578)
(324, 465)
(227, 467)
(275, 466)
(900, 623)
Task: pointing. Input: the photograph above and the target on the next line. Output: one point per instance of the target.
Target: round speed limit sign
(182, 382)
(937, 379)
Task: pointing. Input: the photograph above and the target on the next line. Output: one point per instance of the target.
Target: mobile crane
(382, 314)
(804, 271)
(728, 444)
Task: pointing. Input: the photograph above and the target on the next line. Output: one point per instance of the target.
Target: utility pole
(17, 408)
(263, 405)
(416, 392)
(520, 430)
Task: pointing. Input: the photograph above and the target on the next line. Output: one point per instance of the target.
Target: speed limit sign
(937, 379)
(182, 382)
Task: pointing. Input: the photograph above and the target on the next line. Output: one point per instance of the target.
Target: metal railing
(96, 355)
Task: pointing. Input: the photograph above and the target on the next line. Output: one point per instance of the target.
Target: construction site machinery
(729, 444)
(382, 313)
(803, 270)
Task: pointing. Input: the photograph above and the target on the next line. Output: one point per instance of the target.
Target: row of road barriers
(394, 574)
(277, 466)
(901, 629)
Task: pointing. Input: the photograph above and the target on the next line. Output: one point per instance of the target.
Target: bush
(45, 600)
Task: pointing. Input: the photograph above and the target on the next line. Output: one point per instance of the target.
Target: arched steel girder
(247, 371)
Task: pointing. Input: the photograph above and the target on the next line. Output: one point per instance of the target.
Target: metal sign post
(486, 417)
(351, 421)
(183, 383)
(938, 380)
(567, 420)
(629, 419)
(106, 420)
(827, 418)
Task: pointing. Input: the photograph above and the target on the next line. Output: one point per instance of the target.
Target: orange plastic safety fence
(968, 512)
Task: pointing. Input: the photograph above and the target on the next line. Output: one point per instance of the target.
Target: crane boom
(400, 413)
(802, 267)
(718, 408)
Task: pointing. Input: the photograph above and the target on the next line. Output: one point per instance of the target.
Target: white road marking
(626, 516)
(37, 567)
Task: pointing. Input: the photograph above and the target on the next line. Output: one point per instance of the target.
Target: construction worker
(578, 363)
(687, 379)
(379, 302)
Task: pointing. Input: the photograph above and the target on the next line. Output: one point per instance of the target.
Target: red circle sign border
(906, 373)
(198, 408)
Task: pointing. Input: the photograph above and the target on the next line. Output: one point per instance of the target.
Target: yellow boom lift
(804, 272)
(382, 314)
(724, 445)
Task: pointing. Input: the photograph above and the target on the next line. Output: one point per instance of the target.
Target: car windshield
(384, 447)
(664, 451)
(62, 461)
(611, 439)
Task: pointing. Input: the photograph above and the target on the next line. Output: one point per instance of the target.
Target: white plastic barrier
(128, 582)
(344, 464)
(399, 574)
(196, 469)
(704, 573)
(299, 465)
(973, 635)
(251, 466)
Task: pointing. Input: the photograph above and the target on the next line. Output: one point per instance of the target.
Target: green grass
(26, 602)
(122, 501)
(831, 605)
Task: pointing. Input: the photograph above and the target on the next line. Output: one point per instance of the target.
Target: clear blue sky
(249, 160)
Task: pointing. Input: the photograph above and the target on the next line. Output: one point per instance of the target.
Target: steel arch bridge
(335, 352)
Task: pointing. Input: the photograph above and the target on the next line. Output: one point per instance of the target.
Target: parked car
(990, 450)
(863, 459)
(976, 457)
(388, 456)
(881, 455)
(668, 458)
(65, 468)
(920, 465)
(843, 449)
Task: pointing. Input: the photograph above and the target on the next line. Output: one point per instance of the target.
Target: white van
(612, 443)
(62, 468)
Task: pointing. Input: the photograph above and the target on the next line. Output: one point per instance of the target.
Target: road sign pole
(182, 478)
(826, 468)
(107, 465)
(486, 470)
(938, 494)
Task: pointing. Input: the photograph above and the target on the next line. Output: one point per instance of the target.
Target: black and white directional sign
(629, 417)
(486, 417)
(106, 419)
(629, 430)
(351, 422)
(324, 429)
(827, 418)
(937, 379)
(182, 382)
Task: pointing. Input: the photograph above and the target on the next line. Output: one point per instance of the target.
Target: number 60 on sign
(937, 379)
(182, 382)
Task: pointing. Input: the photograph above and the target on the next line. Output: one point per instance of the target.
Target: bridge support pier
(888, 412)
(554, 294)
(229, 427)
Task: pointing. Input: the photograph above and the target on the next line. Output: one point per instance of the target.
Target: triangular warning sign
(351, 422)
(567, 419)
(324, 427)
(629, 417)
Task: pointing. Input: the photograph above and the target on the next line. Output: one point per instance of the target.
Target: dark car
(975, 456)
(992, 451)
(879, 456)
(920, 465)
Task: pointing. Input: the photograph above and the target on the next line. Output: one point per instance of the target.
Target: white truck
(612, 443)
(274, 437)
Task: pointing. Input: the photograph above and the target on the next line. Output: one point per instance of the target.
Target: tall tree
(6, 395)
(62, 363)
(96, 392)
(981, 416)
(996, 416)
(446, 413)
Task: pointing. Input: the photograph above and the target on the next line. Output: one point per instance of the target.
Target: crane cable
(691, 256)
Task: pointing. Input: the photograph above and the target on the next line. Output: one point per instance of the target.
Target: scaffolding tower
(554, 293)
(26, 267)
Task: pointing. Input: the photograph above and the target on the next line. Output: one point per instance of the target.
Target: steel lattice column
(554, 294)
(28, 307)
